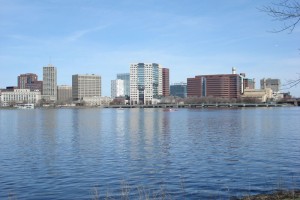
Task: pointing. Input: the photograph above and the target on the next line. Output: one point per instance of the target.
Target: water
(187, 154)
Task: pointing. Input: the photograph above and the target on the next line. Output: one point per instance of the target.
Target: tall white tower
(117, 88)
(145, 84)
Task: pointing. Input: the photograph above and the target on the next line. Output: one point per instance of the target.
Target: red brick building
(165, 82)
(220, 85)
(29, 81)
(194, 87)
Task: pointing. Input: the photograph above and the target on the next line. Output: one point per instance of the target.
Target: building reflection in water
(38, 135)
(86, 129)
(148, 130)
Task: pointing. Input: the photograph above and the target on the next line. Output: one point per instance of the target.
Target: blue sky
(191, 37)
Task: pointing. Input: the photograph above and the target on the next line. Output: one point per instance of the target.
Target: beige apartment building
(86, 86)
(64, 93)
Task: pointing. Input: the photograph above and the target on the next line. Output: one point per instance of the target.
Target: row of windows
(19, 95)
(18, 98)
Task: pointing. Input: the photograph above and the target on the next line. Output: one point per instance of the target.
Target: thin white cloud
(81, 33)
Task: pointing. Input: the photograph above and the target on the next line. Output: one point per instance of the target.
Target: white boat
(25, 106)
(170, 110)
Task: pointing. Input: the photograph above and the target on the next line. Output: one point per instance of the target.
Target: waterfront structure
(96, 101)
(165, 82)
(126, 78)
(219, 85)
(49, 83)
(262, 95)
(117, 88)
(19, 96)
(29, 81)
(86, 86)
(273, 84)
(286, 95)
(145, 83)
(64, 93)
(178, 90)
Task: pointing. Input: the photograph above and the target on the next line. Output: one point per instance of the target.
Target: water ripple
(191, 153)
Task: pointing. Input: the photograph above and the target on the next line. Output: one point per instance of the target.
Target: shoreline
(277, 195)
(167, 106)
(201, 105)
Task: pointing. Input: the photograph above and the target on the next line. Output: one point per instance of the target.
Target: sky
(103, 37)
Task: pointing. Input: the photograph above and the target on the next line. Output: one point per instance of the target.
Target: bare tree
(291, 83)
(118, 101)
(286, 11)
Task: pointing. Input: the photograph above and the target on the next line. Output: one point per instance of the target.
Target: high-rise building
(126, 78)
(195, 87)
(49, 83)
(273, 84)
(145, 83)
(220, 85)
(29, 81)
(86, 86)
(178, 90)
(64, 93)
(117, 88)
(165, 82)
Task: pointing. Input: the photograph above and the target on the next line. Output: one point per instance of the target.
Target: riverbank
(201, 105)
(168, 106)
(144, 194)
(279, 195)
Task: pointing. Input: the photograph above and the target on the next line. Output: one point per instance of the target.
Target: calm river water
(186, 154)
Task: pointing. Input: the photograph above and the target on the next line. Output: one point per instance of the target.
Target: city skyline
(190, 38)
(252, 82)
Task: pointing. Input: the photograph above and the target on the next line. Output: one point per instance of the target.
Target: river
(185, 154)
